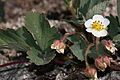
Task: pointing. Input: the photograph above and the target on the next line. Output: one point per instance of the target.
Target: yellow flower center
(97, 25)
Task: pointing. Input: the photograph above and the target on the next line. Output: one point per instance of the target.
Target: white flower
(110, 46)
(59, 46)
(97, 25)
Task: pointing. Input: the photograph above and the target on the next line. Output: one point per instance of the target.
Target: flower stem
(84, 37)
(86, 53)
(97, 43)
(65, 36)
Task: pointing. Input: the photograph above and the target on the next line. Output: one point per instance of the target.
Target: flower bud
(102, 62)
(59, 46)
(106, 59)
(90, 72)
(110, 46)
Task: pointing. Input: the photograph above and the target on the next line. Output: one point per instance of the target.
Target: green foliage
(44, 36)
(113, 27)
(76, 22)
(77, 39)
(37, 57)
(27, 37)
(116, 39)
(118, 9)
(97, 9)
(90, 7)
(78, 47)
(40, 28)
(10, 39)
(36, 39)
(94, 54)
(77, 51)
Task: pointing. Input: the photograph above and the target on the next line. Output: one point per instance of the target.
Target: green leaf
(76, 22)
(77, 39)
(118, 9)
(74, 38)
(86, 5)
(40, 28)
(97, 9)
(24, 34)
(39, 58)
(9, 39)
(77, 51)
(78, 46)
(95, 2)
(20, 39)
(101, 51)
(117, 38)
(113, 27)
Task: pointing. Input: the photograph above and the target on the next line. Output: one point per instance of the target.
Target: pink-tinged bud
(102, 62)
(106, 59)
(90, 72)
(110, 46)
(59, 46)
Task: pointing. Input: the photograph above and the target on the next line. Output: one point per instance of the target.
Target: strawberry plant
(92, 35)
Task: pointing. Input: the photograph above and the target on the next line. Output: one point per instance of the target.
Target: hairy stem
(84, 37)
(86, 53)
(97, 43)
(66, 35)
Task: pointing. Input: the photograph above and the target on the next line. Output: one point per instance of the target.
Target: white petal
(53, 46)
(112, 50)
(98, 17)
(88, 23)
(89, 29)
(106, 22)
(60, 50)
(103, 33)
(96, 33)
(95, 76)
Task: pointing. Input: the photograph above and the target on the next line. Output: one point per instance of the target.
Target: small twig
(58, 62)
(86, 53)
(115, 67)
(12, 63)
